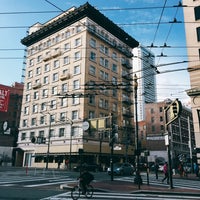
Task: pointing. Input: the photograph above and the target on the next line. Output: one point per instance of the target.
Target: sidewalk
(130, 187)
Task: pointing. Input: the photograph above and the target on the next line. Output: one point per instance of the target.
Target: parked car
(90, 167)
(122, 169)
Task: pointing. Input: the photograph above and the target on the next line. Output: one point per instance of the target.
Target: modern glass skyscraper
(144, 68)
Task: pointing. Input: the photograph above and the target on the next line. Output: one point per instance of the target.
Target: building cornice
(83, 11)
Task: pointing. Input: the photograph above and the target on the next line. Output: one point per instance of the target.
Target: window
(44, 93)
(57, 38)
(78, 29)
(32, 134)
(67, 47)
(161, 109)
(92, 99)
(53, 104)
(23, 136)
(74, 114)
(91, 114)
(30, 74)
(35, 95)
(61, 132)
(93, 43)
(35, 108)
(92, 70)
(55, 77)
(114, 92)
(52, 118)
(28, 86)
(161, 118)
(152, 120)
(46, 80)
(77, 69)
(47, 68)
(63, 102)
(75, 100)
(64, 87)
(33, 121)
(41, 134)
(114, 80)
(77, 56)
(77, 42)
(67, 34)
(114, 56)
(114, 107)
(75, 131)
(24, 123)
(198, 34)
(162, 128)
(104, 62)
(55, 90)
(62, 116)
(153, 128)
(43, 106)
(114, 67)
(104, 49)
(31, 62)
(66, 60)
(48, 43)
(92, 56)
(76, 84)
(39, 58)
(27, 97)
(56, 63)
(103, 75)
(197, 12)
(26, 110)
(42, 120)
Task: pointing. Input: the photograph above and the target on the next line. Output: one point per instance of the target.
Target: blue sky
(139, 18)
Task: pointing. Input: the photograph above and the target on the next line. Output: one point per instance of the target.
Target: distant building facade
(143, 67)
(192, 30)
(9, 123)
(181, 132)
(78, 67)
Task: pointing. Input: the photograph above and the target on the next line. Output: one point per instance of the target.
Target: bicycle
(76, 191)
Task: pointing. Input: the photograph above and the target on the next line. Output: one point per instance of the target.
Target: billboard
(4, 99)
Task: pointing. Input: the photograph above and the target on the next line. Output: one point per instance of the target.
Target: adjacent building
(192, 29)
(11, 101)
(78, 68)
(181, 131)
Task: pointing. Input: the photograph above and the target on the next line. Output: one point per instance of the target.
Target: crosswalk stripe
(101, 195)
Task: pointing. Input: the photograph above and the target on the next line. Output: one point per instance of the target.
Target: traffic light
(175, 109)
(114, 135)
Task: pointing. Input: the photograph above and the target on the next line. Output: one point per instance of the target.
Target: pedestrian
(165, 171)
(85, 178)
(156, 169)
(66, 163)
(181, 169)
(196, 169)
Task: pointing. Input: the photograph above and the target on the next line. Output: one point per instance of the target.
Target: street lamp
(138, 179)
(49, 137)
(70, 145)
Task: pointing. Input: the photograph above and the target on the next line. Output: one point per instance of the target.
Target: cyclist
(85, 179)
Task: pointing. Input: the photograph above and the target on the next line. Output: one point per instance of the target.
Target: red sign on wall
(4, 99)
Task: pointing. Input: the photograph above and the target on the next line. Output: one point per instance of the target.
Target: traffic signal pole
(172, 112)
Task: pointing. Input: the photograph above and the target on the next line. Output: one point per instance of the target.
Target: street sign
(85, 126)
